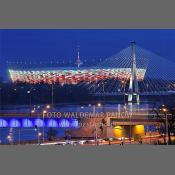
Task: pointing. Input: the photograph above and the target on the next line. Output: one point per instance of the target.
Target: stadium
(72, 75)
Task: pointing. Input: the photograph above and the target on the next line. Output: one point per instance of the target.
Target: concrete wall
(87, 127)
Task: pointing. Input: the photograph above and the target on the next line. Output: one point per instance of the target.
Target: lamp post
(95, 131)
(166, 128)
(30, 98)
(104, 99)
(44, 112)
(123, 84)
(94, 114)
(125, 107)
(48, 106)
(39, 135)
(52, 96)
(165, 110)
(9, 138)
(43, 115)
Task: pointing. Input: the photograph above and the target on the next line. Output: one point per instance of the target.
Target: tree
(102, 125)
(160, 114)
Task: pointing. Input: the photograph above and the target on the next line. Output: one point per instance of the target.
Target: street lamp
(48, 107)
(9, 138)
(30, 97)
(44, 112)
(39, 135)
(164, 109)
(94, 111)
(99, 104)
(104, 99)
(125, 109)
(123, 84)
(29, 92)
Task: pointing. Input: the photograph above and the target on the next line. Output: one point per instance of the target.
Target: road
(147, 140)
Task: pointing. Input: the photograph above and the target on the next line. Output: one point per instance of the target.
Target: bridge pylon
(133, 91)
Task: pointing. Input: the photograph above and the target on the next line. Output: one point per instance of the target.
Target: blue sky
(44, 44)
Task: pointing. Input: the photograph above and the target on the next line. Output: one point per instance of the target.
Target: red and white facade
(72, 76)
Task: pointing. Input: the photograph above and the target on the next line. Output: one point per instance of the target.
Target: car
(61, 143)
(81, 142)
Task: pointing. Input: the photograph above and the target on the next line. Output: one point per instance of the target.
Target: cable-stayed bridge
(148, 72)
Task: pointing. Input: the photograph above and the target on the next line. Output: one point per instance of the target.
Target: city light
(48, 107)
(164, 109)
(44, 111)
(99, 104)
(9, 137)
(39, 134)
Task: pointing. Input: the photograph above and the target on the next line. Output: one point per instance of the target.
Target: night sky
(42, 45)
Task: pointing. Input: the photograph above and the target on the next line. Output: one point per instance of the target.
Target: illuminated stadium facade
(75, 75)
(72, 76)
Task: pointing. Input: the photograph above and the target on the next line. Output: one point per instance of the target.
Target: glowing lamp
(48, 107)
(39, 134)
(99, 104)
